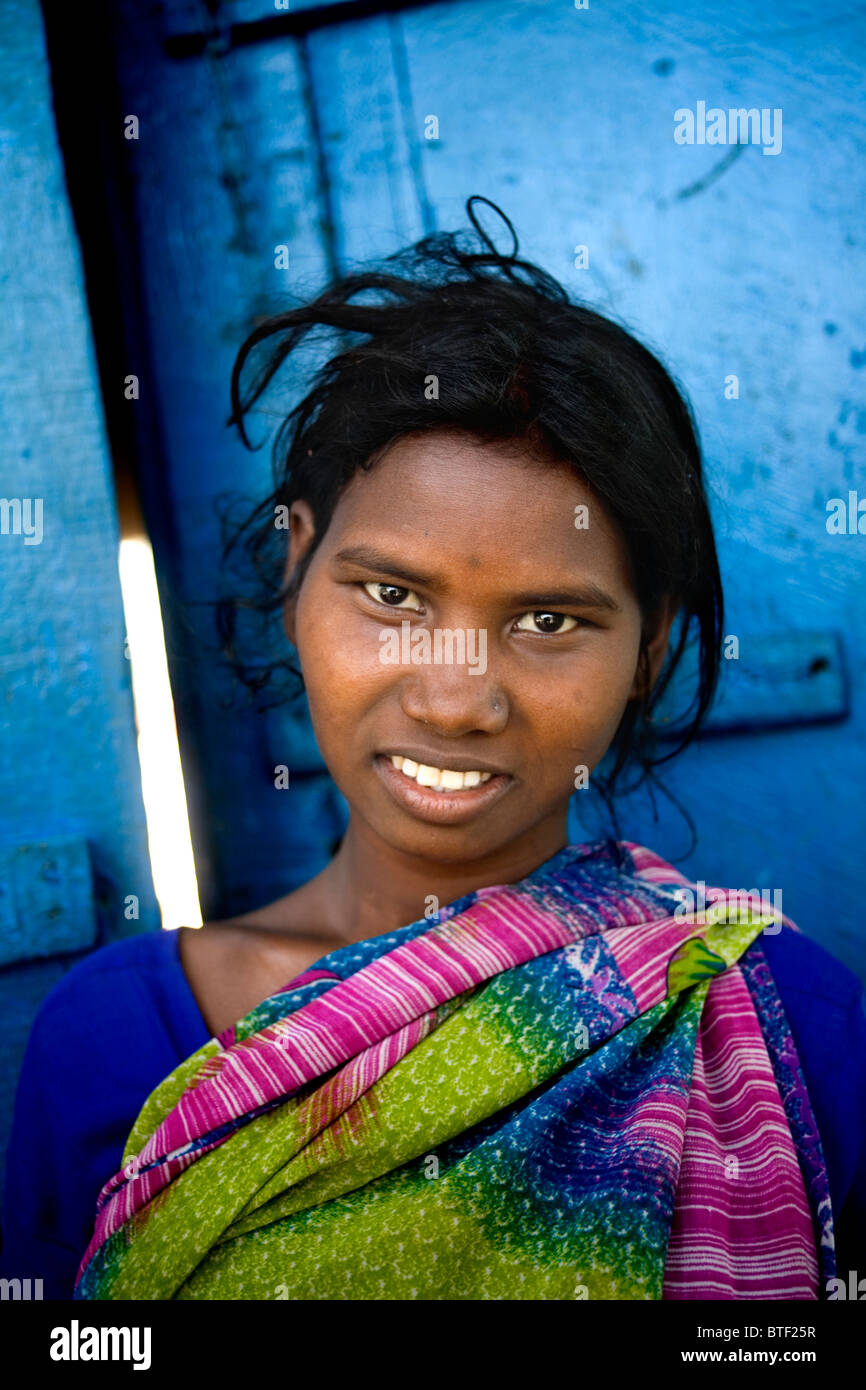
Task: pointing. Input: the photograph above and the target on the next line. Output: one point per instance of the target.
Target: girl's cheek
(336, 643)
(346, 678)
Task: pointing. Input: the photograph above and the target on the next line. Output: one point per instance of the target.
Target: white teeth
(450, 781)
(442, 777)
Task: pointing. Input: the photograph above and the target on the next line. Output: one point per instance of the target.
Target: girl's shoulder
(127, 991)
(148, 950)
(825, 1005)
(104, 1037)
(801, 965)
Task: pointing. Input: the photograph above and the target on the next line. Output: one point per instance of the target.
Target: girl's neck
(369, 888)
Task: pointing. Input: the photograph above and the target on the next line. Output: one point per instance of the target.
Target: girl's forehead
(422, 471)
(451, 509)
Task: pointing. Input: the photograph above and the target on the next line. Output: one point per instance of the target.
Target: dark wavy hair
(516, 359)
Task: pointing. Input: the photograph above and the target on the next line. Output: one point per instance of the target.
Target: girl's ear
(656, 647)
(302, 533)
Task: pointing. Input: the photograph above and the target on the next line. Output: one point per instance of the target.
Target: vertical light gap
(165, 807)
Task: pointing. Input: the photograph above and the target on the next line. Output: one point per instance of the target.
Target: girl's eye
(546, 622)
(394, 595)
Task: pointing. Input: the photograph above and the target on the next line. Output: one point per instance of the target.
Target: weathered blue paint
(191, 17)
(773, 681)
(566, 119)
(72, 836)
(219, 185)
(46, 900)
(729, 262)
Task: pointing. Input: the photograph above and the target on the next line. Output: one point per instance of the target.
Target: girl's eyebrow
(376, 560)
(587, 595)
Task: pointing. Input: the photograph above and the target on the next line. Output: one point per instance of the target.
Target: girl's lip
(441, 808)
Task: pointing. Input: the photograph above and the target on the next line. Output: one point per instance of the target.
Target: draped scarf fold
(575, 1086)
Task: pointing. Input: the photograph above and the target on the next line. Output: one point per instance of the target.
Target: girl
(468, 1060)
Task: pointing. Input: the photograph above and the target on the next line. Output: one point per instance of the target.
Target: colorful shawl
(576, 1086)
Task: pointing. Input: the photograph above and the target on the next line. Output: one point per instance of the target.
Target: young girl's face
(448, 547)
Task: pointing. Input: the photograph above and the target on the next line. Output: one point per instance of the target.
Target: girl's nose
(454, 701)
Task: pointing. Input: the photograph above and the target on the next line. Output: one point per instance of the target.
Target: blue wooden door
(74, 869)
(338, 135)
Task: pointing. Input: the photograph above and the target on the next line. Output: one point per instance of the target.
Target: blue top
(125, 1016)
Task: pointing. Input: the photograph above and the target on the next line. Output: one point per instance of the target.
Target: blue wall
(73, 852)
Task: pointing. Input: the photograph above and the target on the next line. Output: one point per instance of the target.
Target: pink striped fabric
(733, 1121)
(742, 1227)
(374, 1016)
